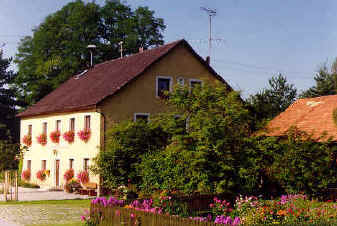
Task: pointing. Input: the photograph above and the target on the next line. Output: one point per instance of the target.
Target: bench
(88, 189)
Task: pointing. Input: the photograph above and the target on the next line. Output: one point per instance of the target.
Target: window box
(69, 136)
(42, 139)
(55, 136)
(84, 135)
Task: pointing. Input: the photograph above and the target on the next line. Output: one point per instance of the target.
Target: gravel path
(17, 215)
(39, 214)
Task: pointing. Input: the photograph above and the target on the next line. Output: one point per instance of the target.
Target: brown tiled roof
(101, 81)
(313, 116)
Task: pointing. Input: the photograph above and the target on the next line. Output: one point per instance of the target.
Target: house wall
(139, 96)
(78, 150)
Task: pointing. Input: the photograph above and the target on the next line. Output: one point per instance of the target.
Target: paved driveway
(35, 194)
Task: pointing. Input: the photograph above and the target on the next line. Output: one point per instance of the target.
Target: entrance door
(57, 173)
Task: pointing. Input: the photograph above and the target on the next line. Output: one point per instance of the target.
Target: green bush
(125, 145)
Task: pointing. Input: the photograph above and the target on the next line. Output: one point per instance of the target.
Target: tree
(58, 47)
(274, 99)
(326, 83)
(8, 124)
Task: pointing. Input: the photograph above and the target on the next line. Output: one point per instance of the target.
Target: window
(181, 81)
(141, 116)
(72, 124)
(163, 84)
(71, 163)
(44, 165)
(30, 129)
(195, 82)
(58, 125)
(45, 128)
(86, 165)
(87, 122)
(29, 164)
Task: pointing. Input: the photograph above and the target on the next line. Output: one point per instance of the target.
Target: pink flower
(83, 218)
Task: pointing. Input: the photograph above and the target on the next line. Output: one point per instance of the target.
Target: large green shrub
(125, 145)
(9, 153)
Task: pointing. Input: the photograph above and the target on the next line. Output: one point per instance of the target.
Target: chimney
(141, 49)
(208, 60)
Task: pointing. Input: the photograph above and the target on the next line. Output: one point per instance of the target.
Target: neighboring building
(120, 89)
(314, 116)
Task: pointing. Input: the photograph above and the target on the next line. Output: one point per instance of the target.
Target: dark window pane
(163, 85)
(142, 117)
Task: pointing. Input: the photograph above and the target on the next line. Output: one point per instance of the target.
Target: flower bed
(55, 136)
(288, 210)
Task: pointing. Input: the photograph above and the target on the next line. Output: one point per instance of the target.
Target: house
(116, 90)
(314, 116)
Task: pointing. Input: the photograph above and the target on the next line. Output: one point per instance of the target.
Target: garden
(204, 161)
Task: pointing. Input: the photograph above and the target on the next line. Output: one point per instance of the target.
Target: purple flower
(83, 218)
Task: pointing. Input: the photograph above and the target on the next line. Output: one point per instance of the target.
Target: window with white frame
(141, 116)
(163, 83)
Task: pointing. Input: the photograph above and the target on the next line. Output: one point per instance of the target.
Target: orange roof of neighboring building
(103, 80)
(313, 116)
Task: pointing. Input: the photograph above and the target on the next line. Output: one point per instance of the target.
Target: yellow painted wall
(78, 150)
(137, 97)
(140, 95)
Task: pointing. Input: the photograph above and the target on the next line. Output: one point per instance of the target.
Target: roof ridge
(139, 53)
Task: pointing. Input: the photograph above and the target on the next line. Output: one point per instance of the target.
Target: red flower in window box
(55, 136)
(83, 177)
(42, 139)
(84, 135)
(27, 140)
(41, 175)
(25, 175)
(69, 136)
(69, 174)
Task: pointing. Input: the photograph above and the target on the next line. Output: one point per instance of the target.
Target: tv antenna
(211, 13)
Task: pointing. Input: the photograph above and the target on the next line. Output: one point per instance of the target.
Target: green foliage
(58, 47)
(8, 124)
(274, 99)
(125, 145)
(326, 84)
(205, 157)
(8, 155)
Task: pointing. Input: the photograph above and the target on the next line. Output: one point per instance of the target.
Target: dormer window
(163, 84)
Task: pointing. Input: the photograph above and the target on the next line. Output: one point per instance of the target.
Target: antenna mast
(211, 13)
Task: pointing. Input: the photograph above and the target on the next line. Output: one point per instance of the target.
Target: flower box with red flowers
(27, 140)
(41, 175)
(69, 136)
(84, 135)
(55, 136)
(42, 139)
(25, 175)
(68, 175)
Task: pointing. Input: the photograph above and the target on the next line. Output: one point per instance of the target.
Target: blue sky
(259, 38)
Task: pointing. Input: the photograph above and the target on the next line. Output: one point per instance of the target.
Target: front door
(57, 173)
